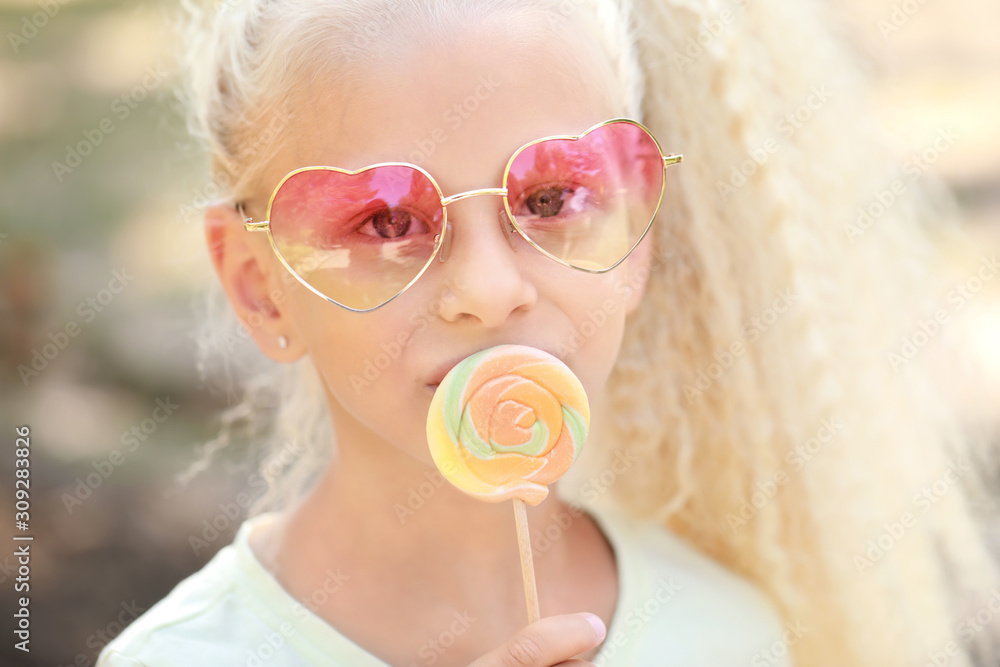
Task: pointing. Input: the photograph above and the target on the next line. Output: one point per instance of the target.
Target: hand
(548, 642)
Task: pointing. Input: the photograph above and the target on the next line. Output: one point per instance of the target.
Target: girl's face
(459, 111)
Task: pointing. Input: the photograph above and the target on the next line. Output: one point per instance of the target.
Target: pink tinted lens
(360, 238)
(587, 201)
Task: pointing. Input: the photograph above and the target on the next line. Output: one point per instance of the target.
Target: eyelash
(569, 192)
(369, 220)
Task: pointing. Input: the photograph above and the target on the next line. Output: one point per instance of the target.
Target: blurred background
(101, 254)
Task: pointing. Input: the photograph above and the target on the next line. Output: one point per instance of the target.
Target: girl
(761, 485)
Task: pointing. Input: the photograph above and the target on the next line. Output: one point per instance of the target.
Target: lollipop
(505, 422)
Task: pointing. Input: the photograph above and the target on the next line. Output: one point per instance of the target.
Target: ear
(249, 280)
(637, 272)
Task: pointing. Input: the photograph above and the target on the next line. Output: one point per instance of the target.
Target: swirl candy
(506, 421)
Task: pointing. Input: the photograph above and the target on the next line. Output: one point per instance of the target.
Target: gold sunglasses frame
(443, 237)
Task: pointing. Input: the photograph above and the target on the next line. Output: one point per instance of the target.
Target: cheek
(597, 327)
(353, 350)
(363, 357)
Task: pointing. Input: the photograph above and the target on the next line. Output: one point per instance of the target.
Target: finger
(547, 642)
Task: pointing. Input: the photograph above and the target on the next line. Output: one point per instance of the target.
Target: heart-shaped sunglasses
(360, 238)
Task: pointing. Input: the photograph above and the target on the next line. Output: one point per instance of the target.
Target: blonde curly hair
(756, 384)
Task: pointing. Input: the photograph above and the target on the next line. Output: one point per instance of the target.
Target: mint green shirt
(676, 607)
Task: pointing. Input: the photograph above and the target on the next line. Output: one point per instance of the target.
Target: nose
(480, 263)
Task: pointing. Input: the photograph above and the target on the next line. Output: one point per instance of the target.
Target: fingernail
(598, 625)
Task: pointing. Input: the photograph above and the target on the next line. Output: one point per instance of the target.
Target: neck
(392, 513)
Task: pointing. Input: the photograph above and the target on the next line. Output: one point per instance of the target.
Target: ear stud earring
(282, 342)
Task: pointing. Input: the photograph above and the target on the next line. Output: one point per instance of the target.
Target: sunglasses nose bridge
(500, 192)
(447, 231)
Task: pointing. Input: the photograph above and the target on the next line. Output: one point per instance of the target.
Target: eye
(391, 223)
(547, 202)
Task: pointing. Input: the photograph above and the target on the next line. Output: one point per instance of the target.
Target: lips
(435, 378)
(438, 375)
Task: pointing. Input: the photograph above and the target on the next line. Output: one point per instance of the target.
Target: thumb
(548, 641)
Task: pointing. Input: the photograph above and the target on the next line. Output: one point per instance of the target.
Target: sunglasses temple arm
(249, 224)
